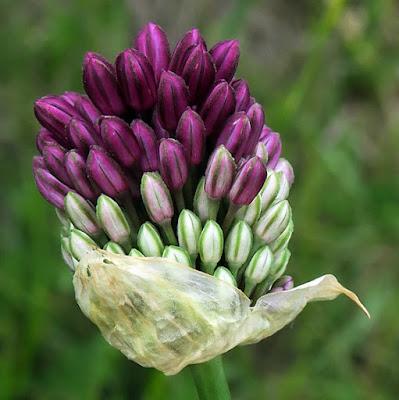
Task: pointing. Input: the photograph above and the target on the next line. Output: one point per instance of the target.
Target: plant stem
(210, 380)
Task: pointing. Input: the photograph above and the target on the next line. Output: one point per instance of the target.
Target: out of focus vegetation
(327, 73)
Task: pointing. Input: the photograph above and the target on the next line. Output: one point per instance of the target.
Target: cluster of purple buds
(168, 154)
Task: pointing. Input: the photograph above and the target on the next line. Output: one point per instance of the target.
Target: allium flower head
(174, 201)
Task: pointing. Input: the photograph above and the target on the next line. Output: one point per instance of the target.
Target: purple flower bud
(71, 97)
(183, 48)
(191, 133)
(82, 135)
(38, 162)
(156, 198)
(286, 282)
(257, 118)
(75, 166)
(120, 140)
(285, 167)
(199, 73)
(54, 113)
(54, 156)
(235, 134)
(136, 78)
(248, 181)
(147, 140)
(101, 85)
(266, 131)
(50, 187)
(43, 138)
(106, 173)
(87, 110)
(172, 99)
(173, 163)
(219, 173)
(261, 152)
(218, 106)
(153, 43)
(241, 91)
(273, 146)
(225, 55)
(160, 131)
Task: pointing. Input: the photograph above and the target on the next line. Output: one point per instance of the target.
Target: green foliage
(326, 73)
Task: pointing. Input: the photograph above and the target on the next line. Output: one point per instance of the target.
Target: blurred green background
(327, 73)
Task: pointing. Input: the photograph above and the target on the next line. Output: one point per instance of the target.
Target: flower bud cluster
(168, 155)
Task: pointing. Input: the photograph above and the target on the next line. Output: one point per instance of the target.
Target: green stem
(179, 198)
(210, 380)
(169, 233)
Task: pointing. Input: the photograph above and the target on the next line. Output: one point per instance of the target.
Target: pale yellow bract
(165, 315)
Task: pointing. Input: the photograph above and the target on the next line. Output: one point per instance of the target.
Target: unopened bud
(225, 275)
(188, 232)
(273, 222)
(250, 213)
(275, 189)
(177, 254)
(113, 247)
(66, 253)
(136, 253)
(238, 246)
(113, 220)
(149, 241)
(261, 152)
(285, 167)
(282, 241)
(82, 214)
(226, 55)
(205, 207)
(210, 246)
(258, 269)
(241, 93)
(80, 243)
(286, 282)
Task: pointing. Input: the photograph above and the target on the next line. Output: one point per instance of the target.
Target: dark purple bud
(219, 173)
(82, 135)
(75, 166)
(172, 99)
(71, 97)
(153, 43)
(286, 282)
(248, 181)
(101, 85)
(273, 147)
(160, 131)
(50, 187)
(191, 133)
(87, 110)
(252, 100)
(225, 55)
(241, 92)
(136, 79)
(54, 113)
(183, 49)
(256, 118)
(43, 138)
(199, 73)
(120, 140)
(173, 163)
(235, 134)
(266, 131)
(38, 162)
(105, 172)
(54, 157)
(218, 106)
(149, 160)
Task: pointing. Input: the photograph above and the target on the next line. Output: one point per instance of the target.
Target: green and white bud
(80, 243)
(275, 189)
(250, 213)
(210, 246)
(136, 253)
(149, 241)
(66, 253)
(113, 248)
(177, 254)
(62, 217)
(284, 188)
(113, 220)
(277, 269)
(188, 232)
(225, 275)
(273, 222)
(238, 246)
(282, 241)
(258, 269)
(82, 214)
(205, 207)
